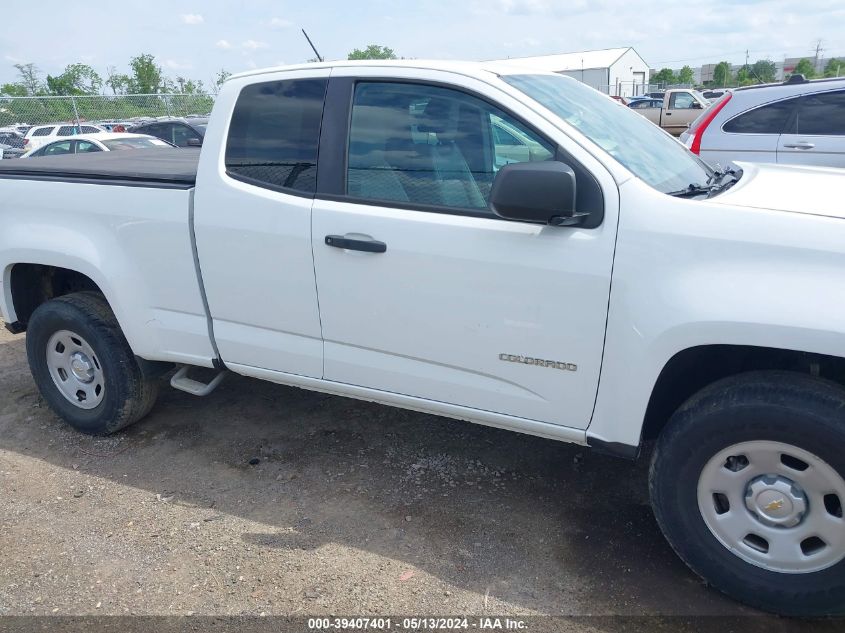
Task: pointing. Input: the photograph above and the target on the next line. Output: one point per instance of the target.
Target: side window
(43, 131)
(83, 147)
(67, 130)
(64, 147)
(87, 129)
(821, 114)
(152, 130)
(429, 145)
(182, 134)
(274, 134)
(681, 101)
(767, 119)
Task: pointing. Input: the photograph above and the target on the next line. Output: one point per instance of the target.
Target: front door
(681, 110)
(818, 134)
(426, 293)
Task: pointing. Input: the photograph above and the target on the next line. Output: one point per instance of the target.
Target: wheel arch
(694, 368)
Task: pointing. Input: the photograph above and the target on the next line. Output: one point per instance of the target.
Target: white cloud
(253, 45)
(224, 44)
(173, 64)
(524, 7)
(279, 23)
(192, 18)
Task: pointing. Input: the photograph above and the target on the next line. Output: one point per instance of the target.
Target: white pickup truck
(366, 229)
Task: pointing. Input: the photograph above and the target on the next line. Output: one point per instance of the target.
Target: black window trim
(269, 186)
(336, 123)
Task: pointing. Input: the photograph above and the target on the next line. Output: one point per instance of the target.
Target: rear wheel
(748, 485)
(84, 367)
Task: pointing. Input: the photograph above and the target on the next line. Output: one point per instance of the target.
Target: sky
(196, 38)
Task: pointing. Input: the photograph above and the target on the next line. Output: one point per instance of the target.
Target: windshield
(646, 150)
(135, 143)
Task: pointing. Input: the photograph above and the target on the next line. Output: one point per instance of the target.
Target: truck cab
(675, 111)
(481, 242)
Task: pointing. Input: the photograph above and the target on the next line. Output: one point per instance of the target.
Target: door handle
(368, 246)
(802, 145)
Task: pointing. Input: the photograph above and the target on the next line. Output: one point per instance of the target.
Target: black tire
(795, 409)
(128, 393)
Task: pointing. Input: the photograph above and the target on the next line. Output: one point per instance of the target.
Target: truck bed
(161, 168)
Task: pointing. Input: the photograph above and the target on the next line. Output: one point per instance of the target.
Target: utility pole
(819, 51)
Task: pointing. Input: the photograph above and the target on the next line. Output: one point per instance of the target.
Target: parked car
(612, 290)
(674, 111)
(646, 102)
(8, 151)
(12, 139)
(100, 142)
(798, 122)
(42, 134)
(180, 132)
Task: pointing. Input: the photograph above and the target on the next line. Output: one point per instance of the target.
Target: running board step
(181, 382)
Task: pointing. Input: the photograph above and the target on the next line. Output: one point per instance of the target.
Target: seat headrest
(437, 116)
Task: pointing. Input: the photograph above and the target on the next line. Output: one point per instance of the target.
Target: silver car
(797, 122)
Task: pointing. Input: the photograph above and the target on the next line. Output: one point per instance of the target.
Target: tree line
(145, 76)
(760, 72)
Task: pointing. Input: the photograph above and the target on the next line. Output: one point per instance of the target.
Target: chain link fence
(101, 108)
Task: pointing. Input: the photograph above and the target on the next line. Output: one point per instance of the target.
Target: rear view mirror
(542, 192)
(194, 142)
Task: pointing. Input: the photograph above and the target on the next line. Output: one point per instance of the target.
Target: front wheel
(748, 484)
(84, 367)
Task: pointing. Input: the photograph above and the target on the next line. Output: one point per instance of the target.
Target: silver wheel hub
(82, 368)
(75, 369)
(774, 505)
(776, 501)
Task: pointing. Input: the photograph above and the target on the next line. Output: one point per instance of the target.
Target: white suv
(797, 122)
(43, 134)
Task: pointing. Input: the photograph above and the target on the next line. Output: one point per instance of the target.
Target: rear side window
(67, 130)
(767, 119)
(43, 131)
(274, 134)
(821, 115)
(55, 149)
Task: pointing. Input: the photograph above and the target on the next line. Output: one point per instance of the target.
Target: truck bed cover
(173, 169)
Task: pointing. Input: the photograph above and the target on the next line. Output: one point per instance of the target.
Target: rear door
(425, 292)
(751, 136)
(255, 188)
(817, 136)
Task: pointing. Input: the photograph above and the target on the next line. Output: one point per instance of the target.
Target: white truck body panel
(133, 242)
(691, 273)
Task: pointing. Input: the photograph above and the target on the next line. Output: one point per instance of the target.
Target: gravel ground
(262, 499)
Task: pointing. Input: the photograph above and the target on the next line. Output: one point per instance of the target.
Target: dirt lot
(351, 508)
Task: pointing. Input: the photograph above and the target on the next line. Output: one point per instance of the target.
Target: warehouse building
(615, 71)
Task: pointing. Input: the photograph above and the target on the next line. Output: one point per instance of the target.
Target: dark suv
(180, 132)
